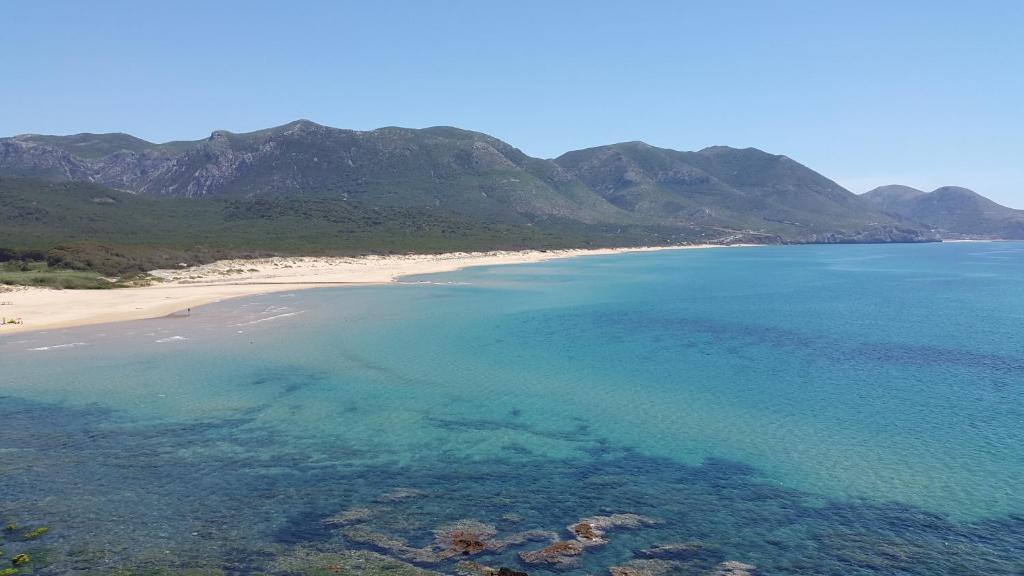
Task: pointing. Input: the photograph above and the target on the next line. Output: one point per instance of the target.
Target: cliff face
(27, 156)
(871, 235)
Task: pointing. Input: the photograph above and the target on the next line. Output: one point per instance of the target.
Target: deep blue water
(825, 410)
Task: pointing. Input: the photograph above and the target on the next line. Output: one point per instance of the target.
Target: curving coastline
(176, 290)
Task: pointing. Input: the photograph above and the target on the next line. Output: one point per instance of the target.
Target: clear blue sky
(923, 93)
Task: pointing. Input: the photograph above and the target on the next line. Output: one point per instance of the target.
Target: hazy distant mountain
(891, 197)
(952, 210)
(718, 193)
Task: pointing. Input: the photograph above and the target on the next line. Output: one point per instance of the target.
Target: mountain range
(315, 188)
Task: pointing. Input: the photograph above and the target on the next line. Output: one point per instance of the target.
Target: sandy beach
(176, 290)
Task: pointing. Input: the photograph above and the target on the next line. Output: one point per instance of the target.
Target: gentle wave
(57, 346)
(285, 315)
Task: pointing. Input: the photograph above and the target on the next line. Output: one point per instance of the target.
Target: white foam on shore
(172, 339)
(56, 346)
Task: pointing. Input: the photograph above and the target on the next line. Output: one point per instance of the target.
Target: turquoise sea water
(807, 409)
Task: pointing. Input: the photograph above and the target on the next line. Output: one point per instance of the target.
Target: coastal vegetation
(35, 273)
(58, 234)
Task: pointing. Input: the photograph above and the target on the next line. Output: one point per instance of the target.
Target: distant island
(118, 206)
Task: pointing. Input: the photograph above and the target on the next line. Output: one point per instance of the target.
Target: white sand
(43, 308)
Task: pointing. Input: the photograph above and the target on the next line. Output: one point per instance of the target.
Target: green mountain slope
(952, 210)
(727, 187)
(455, 169)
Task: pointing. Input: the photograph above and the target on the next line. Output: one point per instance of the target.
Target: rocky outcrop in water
(561, 554)
(590, 531)
(465, 538)
(468, 538)
(455, 540)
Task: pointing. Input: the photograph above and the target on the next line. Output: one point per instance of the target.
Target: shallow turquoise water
(810, 410)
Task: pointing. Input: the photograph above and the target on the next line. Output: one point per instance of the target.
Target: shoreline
(43, 309)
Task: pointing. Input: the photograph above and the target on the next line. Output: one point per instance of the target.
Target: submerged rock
(457, 539)
(674, 551)
(20, 560)
(397, 547)
(733, 568)
(590, 531)
(520, 538)
(644, 568)
(470, 568)
(400, 494)
(560, 554)
(468, 537)
(378, 539)
(465, 538)
(36, 533)
(350, 516)
(303, 561)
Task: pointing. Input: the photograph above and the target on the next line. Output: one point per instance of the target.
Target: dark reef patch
(653, 332)
(288, 380)
(580, 433)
